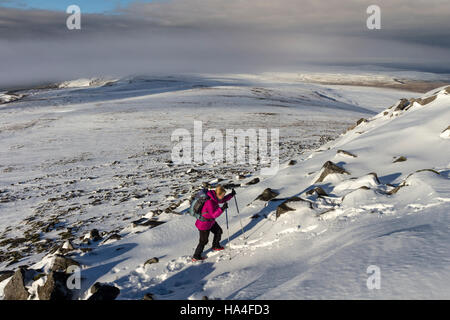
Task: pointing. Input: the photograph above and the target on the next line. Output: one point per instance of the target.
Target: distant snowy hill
(377, 196)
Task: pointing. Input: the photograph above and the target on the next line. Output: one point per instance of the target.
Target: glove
(225, 206)
(233, 193)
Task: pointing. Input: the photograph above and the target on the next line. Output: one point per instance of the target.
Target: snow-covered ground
(96, 154)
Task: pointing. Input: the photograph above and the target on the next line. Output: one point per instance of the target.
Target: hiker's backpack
(197, 203)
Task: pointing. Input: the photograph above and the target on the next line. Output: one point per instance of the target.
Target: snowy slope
(396, 219)
(306, 254)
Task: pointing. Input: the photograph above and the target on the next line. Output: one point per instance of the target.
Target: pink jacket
(211, 210)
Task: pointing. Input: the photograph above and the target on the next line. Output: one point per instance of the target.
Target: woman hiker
(211, 211)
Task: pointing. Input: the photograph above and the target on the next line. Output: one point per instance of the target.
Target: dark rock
(400, 159)
(15, 288)
(329, 168)
(292, 162)
(347, 153)
(253, 181)
(6, 274)
(55, 287)
(148, 296)
(229, 186)
(114, 236)
(267, 195)
(375, 176)
(283, 207)
(255, 216)
(61, 263)
(357, 124)
(402, 105)
(151, 261)
(318, 190)
(101, 292)
(93, 235)
(144, 222)
(424, 101)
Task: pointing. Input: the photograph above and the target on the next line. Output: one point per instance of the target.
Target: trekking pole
(239, 215)
(228, 230)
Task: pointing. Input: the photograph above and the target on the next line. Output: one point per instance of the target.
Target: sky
(125, 37)
(88, 6)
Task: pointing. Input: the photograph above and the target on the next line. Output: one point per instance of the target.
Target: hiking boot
(195, 259)
(219, 248)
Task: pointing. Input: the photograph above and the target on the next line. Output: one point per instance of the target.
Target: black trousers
(204, 234)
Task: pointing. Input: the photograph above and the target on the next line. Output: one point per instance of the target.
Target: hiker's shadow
(259, 218)
(184, 284)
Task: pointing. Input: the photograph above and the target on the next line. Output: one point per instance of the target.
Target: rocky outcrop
(144, 222)
(267, 195)
(253, 181)
(61, 263)
(329, 168)
(317, 190)
(357, 124)
(284, 207)
(400, 159)
(151, 261)
(93, 235)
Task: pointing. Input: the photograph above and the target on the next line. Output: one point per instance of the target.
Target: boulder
(267, 195)
(402, 105)
(61, 263)
(284, 207)
(93, 235)
(102, 292)
(151, 261)
(424, 101)
(113, 237)
(143, 222)
(148, 296)
(15, 288)
(253, 181)
(329, 168)
(55, 287)
(318, 190)
(400, 159)
(292, 162)
(357, 124)
(229, 186)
